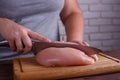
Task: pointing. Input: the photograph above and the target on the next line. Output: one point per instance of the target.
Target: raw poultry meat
(64, 57)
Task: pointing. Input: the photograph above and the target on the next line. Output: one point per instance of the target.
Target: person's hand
(19, 37)
(83, 43)
(87, 50)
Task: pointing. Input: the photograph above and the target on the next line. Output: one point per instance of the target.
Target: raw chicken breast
(64, 57)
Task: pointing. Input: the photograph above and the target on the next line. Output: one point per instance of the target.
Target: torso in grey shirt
(40, 16)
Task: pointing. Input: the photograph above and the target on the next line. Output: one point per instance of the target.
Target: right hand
(19, 37)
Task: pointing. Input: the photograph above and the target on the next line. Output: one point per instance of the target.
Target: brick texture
(89, 1)
(102, 23)
(116, 21)
(100, 7)
(116, 7)
(111, 1)
(97, 22)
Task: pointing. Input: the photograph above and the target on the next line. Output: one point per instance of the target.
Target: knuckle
(15, 34)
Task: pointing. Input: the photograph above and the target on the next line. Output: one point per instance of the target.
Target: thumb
(37, 36)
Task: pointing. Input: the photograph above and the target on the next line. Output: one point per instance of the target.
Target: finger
(19, 45)
(88, 60)
(85, 43)
(12, 45)
(27, 43)
(94, 56)
(79, 43)
(89, 52)
(37, 36)
(85, 59)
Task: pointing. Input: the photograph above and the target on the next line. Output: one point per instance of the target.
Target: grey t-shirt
(40, 16)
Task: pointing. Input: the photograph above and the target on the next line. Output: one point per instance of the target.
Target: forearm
(74, 25)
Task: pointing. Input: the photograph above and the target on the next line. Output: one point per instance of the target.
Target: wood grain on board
(29, 69)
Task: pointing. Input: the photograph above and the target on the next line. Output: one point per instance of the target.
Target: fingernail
(96, 57)
(91, 61)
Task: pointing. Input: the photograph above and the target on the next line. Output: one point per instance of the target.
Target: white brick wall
(102, 23)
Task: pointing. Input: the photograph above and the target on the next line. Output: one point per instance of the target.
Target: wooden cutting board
(28, 69)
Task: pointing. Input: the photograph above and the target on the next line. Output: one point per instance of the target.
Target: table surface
(6, 70)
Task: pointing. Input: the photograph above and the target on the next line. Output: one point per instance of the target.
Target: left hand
(83, 43)
(88, 52)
